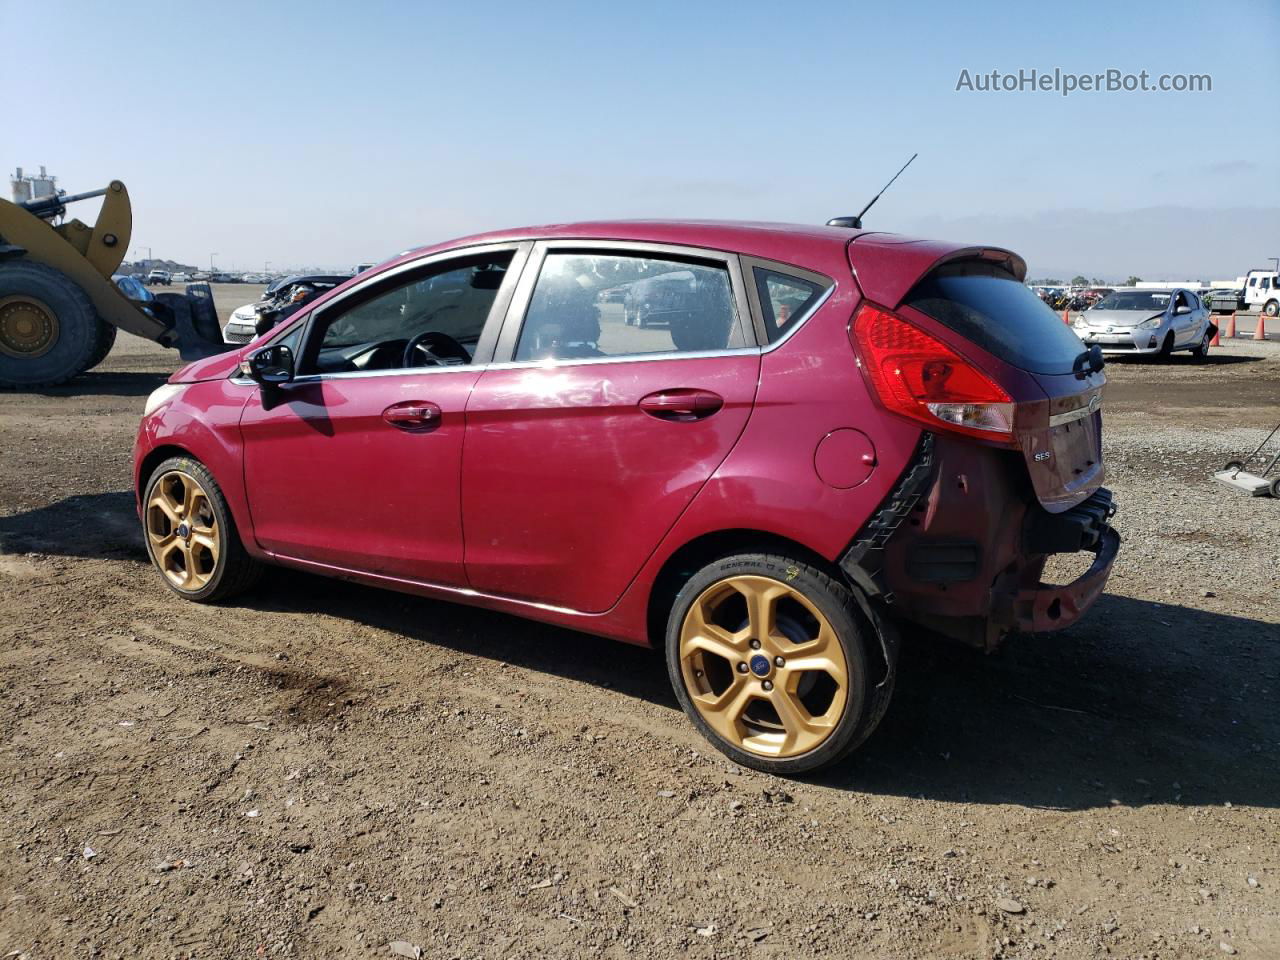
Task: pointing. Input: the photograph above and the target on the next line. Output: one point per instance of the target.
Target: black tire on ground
(77, 336)
(1275, 488)
(1272, 308)
(1166, 348)
(1233, 465)
(865, 701)
(106, 340)
(235, 571)
(1201, 350)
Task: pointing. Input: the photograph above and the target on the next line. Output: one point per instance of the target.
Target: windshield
(1152, 301)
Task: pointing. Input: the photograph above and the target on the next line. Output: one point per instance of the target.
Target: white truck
(1262, 291)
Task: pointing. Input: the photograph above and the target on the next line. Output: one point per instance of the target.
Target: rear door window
(587, 305)
(990, 307)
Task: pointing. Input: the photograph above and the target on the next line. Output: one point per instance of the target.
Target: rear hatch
(974, 297)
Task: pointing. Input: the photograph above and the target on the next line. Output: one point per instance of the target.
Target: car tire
(191, 536)
(1275, 488)
(1166, 348)
(746, 699)
(106, 340)
(1201, 350)
(1272, 308)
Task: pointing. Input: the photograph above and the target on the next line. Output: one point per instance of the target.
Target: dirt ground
(322, 769)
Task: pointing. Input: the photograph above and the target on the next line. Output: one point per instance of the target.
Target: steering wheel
(436, 348)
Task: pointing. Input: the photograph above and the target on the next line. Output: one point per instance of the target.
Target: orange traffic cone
(1066, 317)
(1231, 326)
(1260, 331)
(1215, 342)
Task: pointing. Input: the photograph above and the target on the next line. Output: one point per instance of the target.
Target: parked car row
(282, 298)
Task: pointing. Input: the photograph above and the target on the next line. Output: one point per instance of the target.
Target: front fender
(202, 421)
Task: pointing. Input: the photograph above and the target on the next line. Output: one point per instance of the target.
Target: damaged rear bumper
(1085, 527)
(959, 547)
(1044, 607)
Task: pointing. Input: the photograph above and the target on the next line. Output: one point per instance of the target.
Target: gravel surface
(321, 769)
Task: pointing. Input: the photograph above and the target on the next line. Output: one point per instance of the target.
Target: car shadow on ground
(1183, 359)
(1139, 703)
(95, 384)
(91, 525)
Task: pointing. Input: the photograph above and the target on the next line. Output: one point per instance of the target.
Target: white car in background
(242, 325)
(1148, 322)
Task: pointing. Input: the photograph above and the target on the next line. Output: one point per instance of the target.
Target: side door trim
(513, 322)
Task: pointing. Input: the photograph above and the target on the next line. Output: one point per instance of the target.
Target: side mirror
(1181, 311)
(271, 366)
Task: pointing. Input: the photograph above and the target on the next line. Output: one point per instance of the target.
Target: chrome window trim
(526, 270)
(513, 365)
(513, 324)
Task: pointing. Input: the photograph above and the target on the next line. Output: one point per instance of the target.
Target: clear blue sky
(314, 133)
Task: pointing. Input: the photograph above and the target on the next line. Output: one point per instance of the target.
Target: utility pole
(211, 256)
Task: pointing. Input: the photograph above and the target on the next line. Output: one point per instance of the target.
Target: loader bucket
(59, 309)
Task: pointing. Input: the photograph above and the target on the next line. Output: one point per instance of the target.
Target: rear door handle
(682, 404)
(415, 416)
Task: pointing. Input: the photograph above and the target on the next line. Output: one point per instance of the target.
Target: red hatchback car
(826, 434)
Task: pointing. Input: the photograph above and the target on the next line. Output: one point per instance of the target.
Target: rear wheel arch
(688, 559)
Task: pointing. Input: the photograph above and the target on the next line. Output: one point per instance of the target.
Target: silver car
(1148, 321)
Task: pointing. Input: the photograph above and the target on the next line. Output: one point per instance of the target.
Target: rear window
(990, 307)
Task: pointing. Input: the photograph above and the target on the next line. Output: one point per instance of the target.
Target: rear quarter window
(990, 307)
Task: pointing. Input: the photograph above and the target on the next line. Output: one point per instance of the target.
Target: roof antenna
(856, 222)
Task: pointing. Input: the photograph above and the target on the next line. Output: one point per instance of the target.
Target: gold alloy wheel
(763, 666)
(28, 328)
(182, 531)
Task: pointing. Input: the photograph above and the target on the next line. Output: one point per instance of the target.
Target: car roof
(892, 262)
(762, 239)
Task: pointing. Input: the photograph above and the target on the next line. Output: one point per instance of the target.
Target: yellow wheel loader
(60, 310)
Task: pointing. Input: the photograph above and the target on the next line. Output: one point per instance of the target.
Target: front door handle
(415, 416)
(681, 405)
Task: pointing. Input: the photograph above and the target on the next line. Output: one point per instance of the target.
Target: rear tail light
(919, 376)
